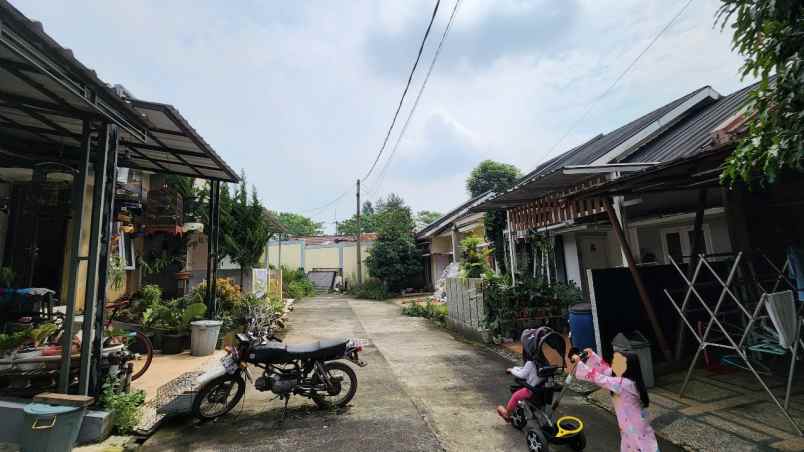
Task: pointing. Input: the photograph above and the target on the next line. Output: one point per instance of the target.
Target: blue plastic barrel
(582, 326)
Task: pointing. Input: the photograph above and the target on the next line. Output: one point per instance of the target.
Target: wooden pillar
(697, 248)
(643, 293)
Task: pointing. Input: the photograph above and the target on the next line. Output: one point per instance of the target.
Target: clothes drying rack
(742, 346)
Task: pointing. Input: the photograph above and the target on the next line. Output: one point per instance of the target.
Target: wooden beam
(697, 248)
(643, 293)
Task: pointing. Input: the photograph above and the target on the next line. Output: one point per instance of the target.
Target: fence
(466, 311)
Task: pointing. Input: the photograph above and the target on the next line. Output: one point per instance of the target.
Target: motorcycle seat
(278, 352)
(325, 348)
(271, 352)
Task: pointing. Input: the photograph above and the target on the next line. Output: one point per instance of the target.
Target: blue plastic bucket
(582, 326)
(50, 428)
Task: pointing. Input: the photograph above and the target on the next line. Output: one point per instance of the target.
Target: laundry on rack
(782, 312)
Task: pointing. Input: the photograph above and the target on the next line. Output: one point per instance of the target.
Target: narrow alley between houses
(423, 389)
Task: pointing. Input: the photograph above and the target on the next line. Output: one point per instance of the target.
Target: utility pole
(359, 260)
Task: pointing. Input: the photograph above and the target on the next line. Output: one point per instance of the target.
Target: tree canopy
(497, 177)
(491, 175)
(394, 258)
(247, 226)
(298, 225)
(425, 217)
(368, 220)
(768, 33)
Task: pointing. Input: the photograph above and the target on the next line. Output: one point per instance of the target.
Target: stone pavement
(722, 412)
(423, 389)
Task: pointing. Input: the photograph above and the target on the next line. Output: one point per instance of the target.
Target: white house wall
(571, 262)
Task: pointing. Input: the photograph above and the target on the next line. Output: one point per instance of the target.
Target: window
(678, 241)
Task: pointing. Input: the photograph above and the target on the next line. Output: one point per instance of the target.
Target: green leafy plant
(7, 277)
(567, 294)
(500, 299)
(474, 263)
(436, 312)
(372, 289)
(11, 341)
(300, 289)
(42, 332)
(125, 407)
(157, 262)
(227, 294)
(768, 33)
(116, 272)
(394, 258)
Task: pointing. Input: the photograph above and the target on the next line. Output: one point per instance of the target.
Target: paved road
(422, 390)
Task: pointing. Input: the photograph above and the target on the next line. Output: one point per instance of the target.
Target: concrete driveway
(423, 389)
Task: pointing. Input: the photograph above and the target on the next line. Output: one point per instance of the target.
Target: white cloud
(300, 95)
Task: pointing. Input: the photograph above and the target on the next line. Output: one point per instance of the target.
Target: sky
(300, 94)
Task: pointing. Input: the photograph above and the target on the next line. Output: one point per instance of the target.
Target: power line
(396, 114)
(620, 77)
(407, 86)
(418, 97)
(322, 207)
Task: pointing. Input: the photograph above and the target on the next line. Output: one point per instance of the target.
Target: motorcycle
(311, 370)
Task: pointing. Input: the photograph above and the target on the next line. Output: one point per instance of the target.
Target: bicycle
(136, 342)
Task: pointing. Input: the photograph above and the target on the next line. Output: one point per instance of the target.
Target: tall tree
(491, 175)
(394, 258)
(368, 221)
(251, 228)
(497, 177)
(300, 226)
(770, 34)
(425, 217)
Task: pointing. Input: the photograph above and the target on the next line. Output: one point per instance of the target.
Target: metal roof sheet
(46, 94)
(693, 134)
(548, 176)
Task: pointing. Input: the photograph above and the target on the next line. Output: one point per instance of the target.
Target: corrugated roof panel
(693, 134)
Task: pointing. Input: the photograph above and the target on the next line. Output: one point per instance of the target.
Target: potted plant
(179, 325)
(8, 346)
(35, 338)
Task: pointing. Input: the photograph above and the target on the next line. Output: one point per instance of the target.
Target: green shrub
(474, 263)
(373, 289)
(125, 407)
(436, 312)
(300, 289)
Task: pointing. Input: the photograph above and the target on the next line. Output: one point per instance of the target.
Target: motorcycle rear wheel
(218, 397)
(346, 386)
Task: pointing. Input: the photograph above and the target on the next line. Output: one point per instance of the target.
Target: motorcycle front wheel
(218, 397)
(344, 386)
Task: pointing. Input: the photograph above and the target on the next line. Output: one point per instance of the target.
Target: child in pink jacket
(629, 395)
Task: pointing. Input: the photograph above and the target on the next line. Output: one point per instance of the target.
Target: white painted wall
(571, 261)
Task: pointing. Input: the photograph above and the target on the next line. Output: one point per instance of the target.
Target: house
(72, 147)
(440, 240)
(617, 246)
(657, 224)
(335, 253)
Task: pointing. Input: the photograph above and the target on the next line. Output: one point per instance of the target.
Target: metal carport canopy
(173, 146)
(556, 180)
